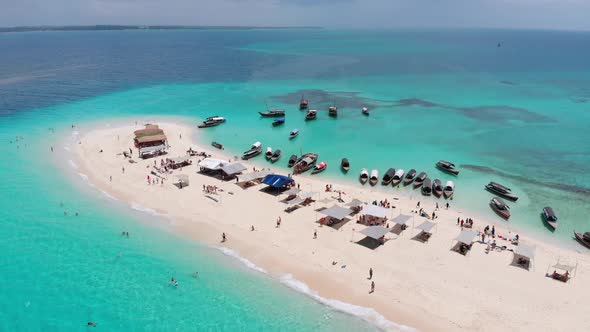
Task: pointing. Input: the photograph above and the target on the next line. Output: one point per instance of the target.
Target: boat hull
(580, 238)
(448, 193)
(510, 197)
(502, 213)
(552, 224)
(251, 155)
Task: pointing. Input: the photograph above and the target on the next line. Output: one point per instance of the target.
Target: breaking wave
(369, 315)
(248, 263)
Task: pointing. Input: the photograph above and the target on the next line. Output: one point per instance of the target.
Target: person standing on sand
(111, 178)
(493, 231)
(447, 205)
(223, 238)
(370, 273)
(315, 234)
(436, 209)
(252, 228)
(372, 287)
(418, 204)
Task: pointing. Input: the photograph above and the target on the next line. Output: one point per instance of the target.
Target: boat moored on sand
(501, 190)
(447, 167)
(420, 179)
(364, 176)
(410, 176)
(437, 188)
(319, 167)
(275, 155)
(255, 150)
(268, 153)
(374, 178)
(292, 160)
(304, 163)
(427, 187)
(550, 217)
(584, 239)
(217, 145)
(212, 121)
(397, 177)
(449, 189)
(501, 208)
(388, 176)
(345, 165)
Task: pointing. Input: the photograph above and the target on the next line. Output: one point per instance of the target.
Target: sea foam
(369, 315)
(141, 208)
(73, 164)
(248, 263)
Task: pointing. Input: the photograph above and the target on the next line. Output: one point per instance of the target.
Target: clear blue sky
(543, 14)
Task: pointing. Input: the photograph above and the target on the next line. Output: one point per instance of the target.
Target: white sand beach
(422, 285)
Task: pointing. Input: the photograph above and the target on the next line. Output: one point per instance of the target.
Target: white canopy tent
(375, 232)
(354, 203)
(524, 255)
(466, 236)
(308, 194)
(212, 164)
(182, 180)
(336, 212)
(426, 226)
(375, 211)
(233, 168)
(292, 191)
(253, 176)
(402, 219)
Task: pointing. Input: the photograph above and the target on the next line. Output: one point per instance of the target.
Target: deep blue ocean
(510, 106)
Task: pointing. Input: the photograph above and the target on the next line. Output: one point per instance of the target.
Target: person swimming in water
(93, 324)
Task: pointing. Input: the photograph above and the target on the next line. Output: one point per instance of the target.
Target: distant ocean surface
(509, 106)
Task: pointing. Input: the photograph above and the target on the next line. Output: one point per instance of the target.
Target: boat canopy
(294, 131)
(550, 213)
(253, 176)
(450, 185)
(212, 163)
(256, 145)
(499, 202)
(374, 173)
(399, 173)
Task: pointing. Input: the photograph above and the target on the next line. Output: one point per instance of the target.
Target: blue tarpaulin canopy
(277, 181)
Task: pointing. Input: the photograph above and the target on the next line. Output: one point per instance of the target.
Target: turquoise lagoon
(517, 114)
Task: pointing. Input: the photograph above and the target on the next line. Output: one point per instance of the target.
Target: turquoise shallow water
(520, 110)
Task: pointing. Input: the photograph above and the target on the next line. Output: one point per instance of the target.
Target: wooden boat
(217, 145)
(420, 179)
(275, 155)
(319, 167)
(293, 133)
(364, 176)
(374, 178)
(212, 121)
(447, 167)
(397, 177)
(255, 150)
(365, 111)
(584, 239)
(333, 111)
(272, 113)
(303, 103)
(292, 160)
(268, 153)
(437, 188)
(449, 189)
(501, 190)
(388, 176)
(501, 209)
(305, 162)
(345, 164)
(550, 217)
(427, 187)
(278, 122)
(311, 115)
(410, 177)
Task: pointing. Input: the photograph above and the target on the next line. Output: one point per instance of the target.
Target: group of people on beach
(155, 180)
(208, 189)
(465, 223)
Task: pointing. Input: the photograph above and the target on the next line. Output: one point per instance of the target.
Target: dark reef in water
(347, 99)
(507, 82)
(560, 186)
(319, 99)
(488, 113)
